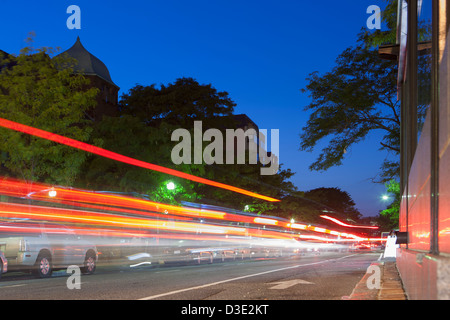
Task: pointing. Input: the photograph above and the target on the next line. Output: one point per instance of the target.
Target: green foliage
(388, 35)
(356, 98)
(391, 214)
(336, 202)
(129, 136)
(147, 116)
(178, 104)
(310, 205)
(248, 177)
(359, 96)
(164, 195)
(35, 92)
(42, 92)
(150, 114)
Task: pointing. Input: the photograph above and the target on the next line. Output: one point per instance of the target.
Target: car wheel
(43, 267)
(89, 264)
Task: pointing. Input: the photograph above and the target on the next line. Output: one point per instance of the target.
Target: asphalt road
(322, 277)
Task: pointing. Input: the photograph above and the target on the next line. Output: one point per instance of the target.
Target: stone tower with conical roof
(94, 69)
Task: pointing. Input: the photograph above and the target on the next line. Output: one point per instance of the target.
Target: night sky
(260, 52)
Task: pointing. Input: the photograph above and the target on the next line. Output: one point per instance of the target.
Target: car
(3, 264)
(54, 247)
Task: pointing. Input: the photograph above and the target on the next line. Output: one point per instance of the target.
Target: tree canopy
(177, 104)
(150, 114)
(34, 91)
(357, 97)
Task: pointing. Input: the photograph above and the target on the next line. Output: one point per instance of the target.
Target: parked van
(54, 247)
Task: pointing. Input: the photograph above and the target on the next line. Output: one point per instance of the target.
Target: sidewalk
(391, 287)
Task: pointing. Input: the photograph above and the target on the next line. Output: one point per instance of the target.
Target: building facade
(423, 54)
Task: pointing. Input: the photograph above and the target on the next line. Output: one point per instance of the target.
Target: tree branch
(390, 147)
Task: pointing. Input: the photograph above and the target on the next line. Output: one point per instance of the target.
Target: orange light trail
(121, 158)
(272, 222)
(166, 215)
(94, 218)
(37, 191)
(8, 210)
(298, 226)
(113, 202)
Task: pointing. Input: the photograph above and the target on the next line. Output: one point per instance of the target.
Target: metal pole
(434, 180)
(412, 82)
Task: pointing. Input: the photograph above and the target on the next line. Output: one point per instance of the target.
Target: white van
(55, 247)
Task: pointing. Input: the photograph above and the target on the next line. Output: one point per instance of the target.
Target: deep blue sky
(260, 52)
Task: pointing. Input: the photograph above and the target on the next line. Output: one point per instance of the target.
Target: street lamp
(170, 186)
(52, 193)
(384, 197)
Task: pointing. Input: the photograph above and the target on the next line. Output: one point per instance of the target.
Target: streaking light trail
(121, 158)
(89, 212)
(347, 225)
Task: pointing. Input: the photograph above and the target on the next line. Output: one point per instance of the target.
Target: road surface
(329, 276)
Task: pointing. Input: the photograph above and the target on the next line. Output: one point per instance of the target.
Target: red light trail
(121, 158)
(347, 225)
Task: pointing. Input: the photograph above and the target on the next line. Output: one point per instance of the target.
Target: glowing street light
(384, 197)
(170, 186)
(52, 193)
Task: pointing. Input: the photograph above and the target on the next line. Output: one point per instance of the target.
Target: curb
(391, 286)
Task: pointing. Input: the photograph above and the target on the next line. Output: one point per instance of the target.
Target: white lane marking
(281, 285)
(237, 278)
(13, 286)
